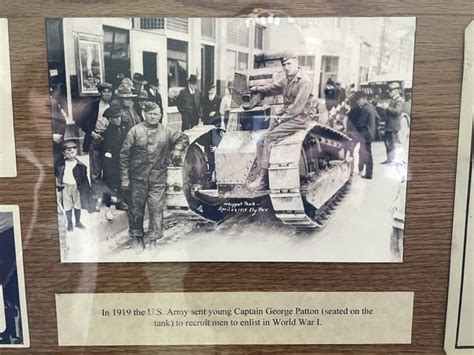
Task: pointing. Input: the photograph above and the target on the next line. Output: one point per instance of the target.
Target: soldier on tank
(143, 170)
(296, 88)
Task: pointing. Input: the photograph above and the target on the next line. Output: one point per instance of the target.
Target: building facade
(169, 49)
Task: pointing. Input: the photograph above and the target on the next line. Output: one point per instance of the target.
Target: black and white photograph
(7, 138)
(257, 139)
(13, 318)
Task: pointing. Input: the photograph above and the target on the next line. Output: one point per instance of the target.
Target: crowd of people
(129, 149)
(364, 117)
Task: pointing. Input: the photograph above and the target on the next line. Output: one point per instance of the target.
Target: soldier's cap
(112, 112)
(124, 91)
(143, 95)
(151, 106)
(69, 144)
(287, 55)
(392, 86)
(127, 82)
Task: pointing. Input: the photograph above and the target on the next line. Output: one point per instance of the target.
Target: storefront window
(116, 54)
(177, 68)
(259, 30)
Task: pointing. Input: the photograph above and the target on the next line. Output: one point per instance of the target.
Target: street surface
(359, 232)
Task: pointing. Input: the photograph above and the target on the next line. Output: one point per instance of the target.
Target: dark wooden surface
(435, 111)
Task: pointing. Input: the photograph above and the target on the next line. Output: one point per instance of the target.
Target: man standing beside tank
(365, 126)
(393, 111)
(296, 88)
(189, 104)
(143, 171)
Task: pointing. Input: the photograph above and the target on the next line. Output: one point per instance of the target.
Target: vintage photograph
(7, 137)
(13, 318)
(263, 138)
(459, 333)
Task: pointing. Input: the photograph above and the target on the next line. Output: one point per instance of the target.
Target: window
(177, 24)
(230, 64)
(177, 68)
(259, 31)
(238, 33)
(116, 54)
(243, 60)
(152, 23)
(236, 61)
(208, 28)
(306, 62)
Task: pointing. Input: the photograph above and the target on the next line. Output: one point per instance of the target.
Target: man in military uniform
(393, 111)
(143, 167)
(296, 88)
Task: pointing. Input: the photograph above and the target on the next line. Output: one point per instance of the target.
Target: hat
(138, 78)
(150, 106)
(192, 79)
(111, 112)
(124, 91)
(127, 82)
(210, 86)
(103, 86)
(394, 85)
(154, 82)
(287, 55)
(143, 95)
(69, 144)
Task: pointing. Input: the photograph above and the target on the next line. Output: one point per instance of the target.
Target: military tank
(309, 174)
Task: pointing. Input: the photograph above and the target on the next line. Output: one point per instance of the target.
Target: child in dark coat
(72, 180)
(113, 140)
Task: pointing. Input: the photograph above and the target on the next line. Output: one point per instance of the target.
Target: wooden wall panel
(435, 111)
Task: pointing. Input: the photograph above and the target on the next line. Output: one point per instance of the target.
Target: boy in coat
(72, 181)
(113, 140)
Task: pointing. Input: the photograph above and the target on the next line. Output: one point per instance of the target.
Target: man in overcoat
(189, 104)
(393, 111)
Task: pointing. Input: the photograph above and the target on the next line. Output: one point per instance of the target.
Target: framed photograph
(7, 136)
(459, 335)
(13, 317)
(89, 63)
(280, 143)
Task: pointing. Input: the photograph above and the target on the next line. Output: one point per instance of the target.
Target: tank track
(287, 194)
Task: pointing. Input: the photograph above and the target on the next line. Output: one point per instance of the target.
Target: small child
(72, 180)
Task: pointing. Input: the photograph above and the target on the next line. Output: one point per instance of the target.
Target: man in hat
(113, 140)
(365, 129)
(143, 171)
(393, 111)
(225, 107)
(296, 88)
(86, 117)
(189, 104)
(72, 181)
(129, 115)
(210, 104)
(138, 83)
(153, 91)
